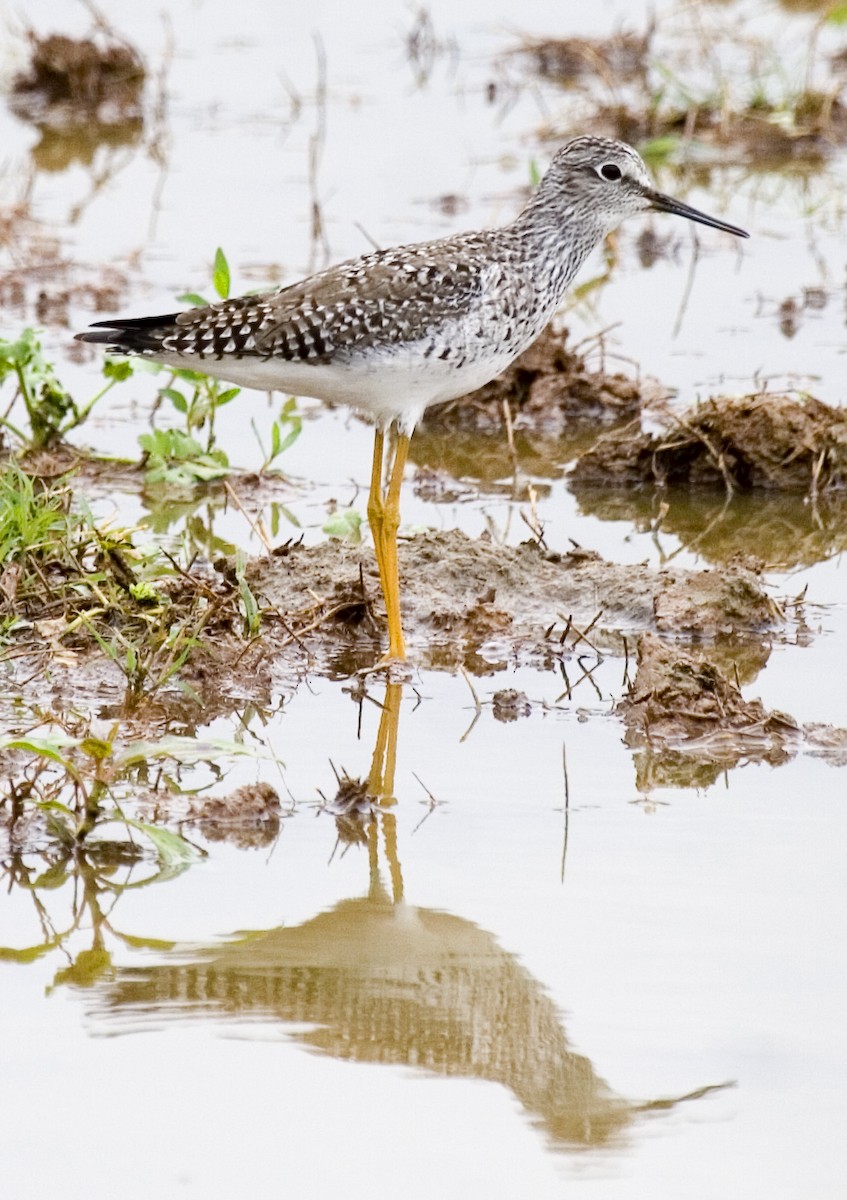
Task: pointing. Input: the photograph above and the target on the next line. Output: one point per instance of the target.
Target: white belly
(388, 385)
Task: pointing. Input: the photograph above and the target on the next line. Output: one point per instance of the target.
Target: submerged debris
(548, 388)
(793, 443)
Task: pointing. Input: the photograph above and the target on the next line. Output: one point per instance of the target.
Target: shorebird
(396, 330)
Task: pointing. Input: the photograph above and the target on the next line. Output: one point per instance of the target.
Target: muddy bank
(547, 389)
(319, 610)
(462, 597)
(688, 722)
(789, 443)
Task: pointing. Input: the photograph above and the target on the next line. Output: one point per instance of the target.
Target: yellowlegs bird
(397, 330)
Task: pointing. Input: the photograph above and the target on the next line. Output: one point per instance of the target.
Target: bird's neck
(552, 233)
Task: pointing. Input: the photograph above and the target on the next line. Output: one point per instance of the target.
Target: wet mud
(688, 722)
(468, 597)
(812, 128)
(465, 602)
(565, 60)
(804, 124)
(788, 443)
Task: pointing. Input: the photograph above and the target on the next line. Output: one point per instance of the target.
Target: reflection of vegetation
(89, 881)
(783, 530)
(64, 780)
(486, 459)
(62, 147)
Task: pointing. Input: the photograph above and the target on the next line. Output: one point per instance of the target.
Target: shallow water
(530, 976)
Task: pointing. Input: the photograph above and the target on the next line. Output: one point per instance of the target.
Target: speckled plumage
(397, 330)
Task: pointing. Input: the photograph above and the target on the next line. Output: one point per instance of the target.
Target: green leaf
(172, 849)
(185, 750)
(659, 148)
(118, 369)
(86, 969)
(30, 954)
(292, 435)
(287, 513)
(193, 299)
(220, 275)
(225, 396)
(176, 398)
(145, 593)
(96, 748)
(145, 943)
(345, 524)
(54, 877)
(44, 748)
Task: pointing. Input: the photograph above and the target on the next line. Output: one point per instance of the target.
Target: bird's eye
(610, 171)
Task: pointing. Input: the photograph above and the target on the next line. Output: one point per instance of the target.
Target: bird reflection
(376, 980)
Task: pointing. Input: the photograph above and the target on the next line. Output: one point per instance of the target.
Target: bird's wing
(383, 298)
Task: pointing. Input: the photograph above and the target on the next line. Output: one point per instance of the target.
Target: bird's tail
(130, 335)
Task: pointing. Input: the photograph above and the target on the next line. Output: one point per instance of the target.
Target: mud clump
(563, 60)
(771, 442)
(689, 722)
(99, 79)
(248, 818)
(509, 705)
(462, 595)
(547, 389)
(80, 95)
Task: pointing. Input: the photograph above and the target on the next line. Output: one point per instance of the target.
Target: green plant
(79, 581)
(285, 431)
(176, 455)
(32, 516)
(345, 524)
(51, 410)
(177, 458)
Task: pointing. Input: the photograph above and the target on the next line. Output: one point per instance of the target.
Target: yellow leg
(381, 785)
(391, 523)
(376, 507)
(384, 519)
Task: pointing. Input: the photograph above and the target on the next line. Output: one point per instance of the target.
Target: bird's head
(609, 181)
